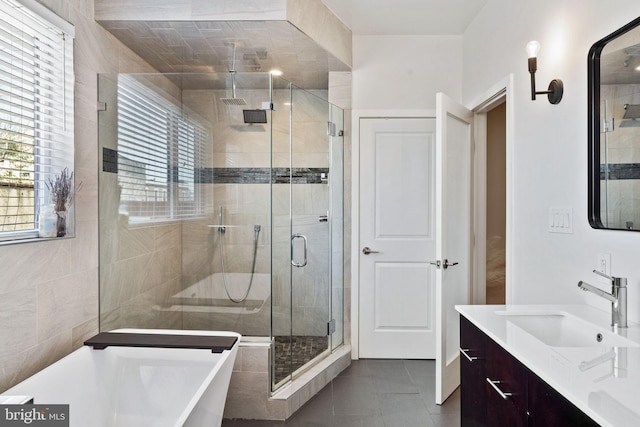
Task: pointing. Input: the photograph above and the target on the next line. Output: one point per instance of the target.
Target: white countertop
(604, 382)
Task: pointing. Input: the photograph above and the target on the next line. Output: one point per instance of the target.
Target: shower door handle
(304, 260)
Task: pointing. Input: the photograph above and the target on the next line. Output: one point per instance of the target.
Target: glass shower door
(336, 224)
(310, 226)
(307, 218)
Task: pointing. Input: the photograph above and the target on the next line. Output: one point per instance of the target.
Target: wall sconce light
(556, 88)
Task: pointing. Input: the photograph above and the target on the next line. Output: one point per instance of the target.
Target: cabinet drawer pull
(500, 392)
(470, 358)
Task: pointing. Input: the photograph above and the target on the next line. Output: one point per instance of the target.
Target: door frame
(356, 116)
(499, 93)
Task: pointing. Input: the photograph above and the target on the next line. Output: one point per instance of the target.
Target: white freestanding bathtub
(138, 386)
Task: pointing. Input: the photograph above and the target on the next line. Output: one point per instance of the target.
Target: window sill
(29, 238)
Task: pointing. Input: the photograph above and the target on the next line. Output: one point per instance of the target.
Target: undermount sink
(565, 330)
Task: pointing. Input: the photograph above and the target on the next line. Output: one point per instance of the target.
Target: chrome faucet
(618, 297)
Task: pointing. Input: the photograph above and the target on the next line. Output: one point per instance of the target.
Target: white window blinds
(36, 112)
(160, 155)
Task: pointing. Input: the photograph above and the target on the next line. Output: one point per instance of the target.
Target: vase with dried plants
(61, 190)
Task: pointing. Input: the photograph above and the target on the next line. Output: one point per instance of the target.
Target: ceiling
(406, 17)
(208, 47)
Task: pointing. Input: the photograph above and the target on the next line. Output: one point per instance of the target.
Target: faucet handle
(620, 282)
(606, 276)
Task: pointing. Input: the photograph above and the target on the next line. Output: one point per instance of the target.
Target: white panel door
(453, 236)
(397, 217)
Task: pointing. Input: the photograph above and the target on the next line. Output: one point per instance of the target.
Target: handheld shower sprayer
(221, 231)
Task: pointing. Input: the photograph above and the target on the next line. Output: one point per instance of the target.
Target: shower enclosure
(221, 208)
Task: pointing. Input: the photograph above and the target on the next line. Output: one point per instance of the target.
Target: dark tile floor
(374, 393)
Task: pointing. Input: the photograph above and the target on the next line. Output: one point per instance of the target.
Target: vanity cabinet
(498, 390)
(472, 367)
(550, 408)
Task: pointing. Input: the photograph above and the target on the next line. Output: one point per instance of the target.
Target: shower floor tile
(292, 353)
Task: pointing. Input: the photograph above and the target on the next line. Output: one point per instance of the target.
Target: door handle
(304, 260)
(367, 250)
(445, 264)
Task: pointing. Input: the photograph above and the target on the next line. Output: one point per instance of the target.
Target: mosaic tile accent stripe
(263, 175)
(621, 171)
(110, 160)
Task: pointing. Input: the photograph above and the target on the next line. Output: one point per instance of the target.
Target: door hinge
(331, 129)
(101, 106)
(331, 326)
(608, 125)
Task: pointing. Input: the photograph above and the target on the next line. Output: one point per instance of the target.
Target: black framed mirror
(614, 130)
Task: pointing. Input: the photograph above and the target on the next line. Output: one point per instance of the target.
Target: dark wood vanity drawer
(509, 377)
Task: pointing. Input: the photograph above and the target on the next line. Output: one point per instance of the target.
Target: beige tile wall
(49, 290)
(319, 23)
(161, 10)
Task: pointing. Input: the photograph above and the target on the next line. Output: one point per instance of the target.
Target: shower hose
(256, 233)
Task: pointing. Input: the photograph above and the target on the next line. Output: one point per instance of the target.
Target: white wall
(405, 72)
(552, 139)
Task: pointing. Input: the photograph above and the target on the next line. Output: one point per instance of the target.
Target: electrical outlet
(604, 264)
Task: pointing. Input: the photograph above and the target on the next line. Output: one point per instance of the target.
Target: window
(160, 156)
(36, 112)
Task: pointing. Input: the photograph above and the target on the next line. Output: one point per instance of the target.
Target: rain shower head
(631, 111)
(233, 100)
(631, 116)
(254, 116)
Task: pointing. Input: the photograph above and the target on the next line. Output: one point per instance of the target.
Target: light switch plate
(560, 220)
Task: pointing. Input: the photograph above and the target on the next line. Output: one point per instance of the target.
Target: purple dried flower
(61, 190)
